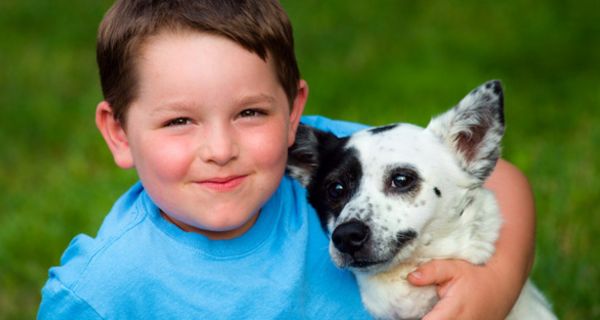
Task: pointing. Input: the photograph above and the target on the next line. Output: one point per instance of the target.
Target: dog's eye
(336, 190)
(402, 181)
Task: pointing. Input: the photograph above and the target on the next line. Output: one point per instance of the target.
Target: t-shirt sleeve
(58, 302)
(338, 127)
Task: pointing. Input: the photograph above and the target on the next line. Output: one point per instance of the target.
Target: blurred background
(374, 62)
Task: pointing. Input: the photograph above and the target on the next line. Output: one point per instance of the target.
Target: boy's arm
(469, 291)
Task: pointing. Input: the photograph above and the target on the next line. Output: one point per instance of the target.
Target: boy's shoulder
(92, 269)
(86, 254)
(340, 128)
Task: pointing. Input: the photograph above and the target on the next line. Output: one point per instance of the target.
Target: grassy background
(375, 62)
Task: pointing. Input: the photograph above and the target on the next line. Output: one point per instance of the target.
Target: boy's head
(203, 98)
(260, 26)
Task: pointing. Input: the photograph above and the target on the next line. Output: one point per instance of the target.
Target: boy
(203, 99)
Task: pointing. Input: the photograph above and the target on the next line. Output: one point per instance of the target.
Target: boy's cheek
(269, 147)
(167, 159)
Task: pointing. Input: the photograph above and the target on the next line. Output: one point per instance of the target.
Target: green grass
(374, 62)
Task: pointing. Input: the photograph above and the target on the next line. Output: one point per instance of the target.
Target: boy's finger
(432, 273)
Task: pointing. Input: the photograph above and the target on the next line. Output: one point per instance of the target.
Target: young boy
(203, 99)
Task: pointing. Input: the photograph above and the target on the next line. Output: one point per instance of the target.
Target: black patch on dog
(329, 169)
(437, 192)
(382, 128)
(336, 180)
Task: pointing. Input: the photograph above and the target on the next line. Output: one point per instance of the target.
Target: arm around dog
(515, 197)
(499, 282)
(515, 247)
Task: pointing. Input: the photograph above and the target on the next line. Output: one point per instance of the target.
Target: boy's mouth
(222, 184)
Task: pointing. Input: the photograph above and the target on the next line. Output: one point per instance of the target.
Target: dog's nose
(350, 237)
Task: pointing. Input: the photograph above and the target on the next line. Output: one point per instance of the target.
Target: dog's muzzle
(354, 242)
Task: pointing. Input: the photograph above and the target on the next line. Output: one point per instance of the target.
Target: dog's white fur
(460, 220)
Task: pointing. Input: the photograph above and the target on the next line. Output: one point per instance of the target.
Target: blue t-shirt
(141, 266)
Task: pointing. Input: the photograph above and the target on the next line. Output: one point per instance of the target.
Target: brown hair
(260, 26)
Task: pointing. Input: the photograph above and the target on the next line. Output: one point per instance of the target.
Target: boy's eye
(177, 122)
(251, 113)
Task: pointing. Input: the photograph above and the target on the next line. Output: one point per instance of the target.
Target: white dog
(396, 196)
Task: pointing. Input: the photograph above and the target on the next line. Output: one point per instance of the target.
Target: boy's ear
(297, 109)
(114, 135)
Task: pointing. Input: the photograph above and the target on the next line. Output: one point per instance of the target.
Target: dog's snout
(350, 237)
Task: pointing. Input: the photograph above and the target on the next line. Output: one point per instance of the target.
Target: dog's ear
(303, 155)
(473, 129)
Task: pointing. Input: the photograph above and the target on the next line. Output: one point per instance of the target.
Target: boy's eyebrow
(254, 99)
(170, 107)
(246, 100)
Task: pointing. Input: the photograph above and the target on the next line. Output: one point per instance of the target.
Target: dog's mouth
(373, 258)
(363, 264)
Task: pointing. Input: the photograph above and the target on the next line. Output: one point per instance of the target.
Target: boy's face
(209, 131)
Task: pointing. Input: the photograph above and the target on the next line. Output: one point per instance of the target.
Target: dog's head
(377, 191)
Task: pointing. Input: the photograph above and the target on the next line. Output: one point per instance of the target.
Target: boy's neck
(214, 235)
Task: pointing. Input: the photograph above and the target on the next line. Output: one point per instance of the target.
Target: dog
(395, 196)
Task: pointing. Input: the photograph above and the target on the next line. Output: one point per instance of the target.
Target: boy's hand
(466, 291)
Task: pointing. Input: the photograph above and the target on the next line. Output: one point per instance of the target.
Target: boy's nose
(219, 145)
